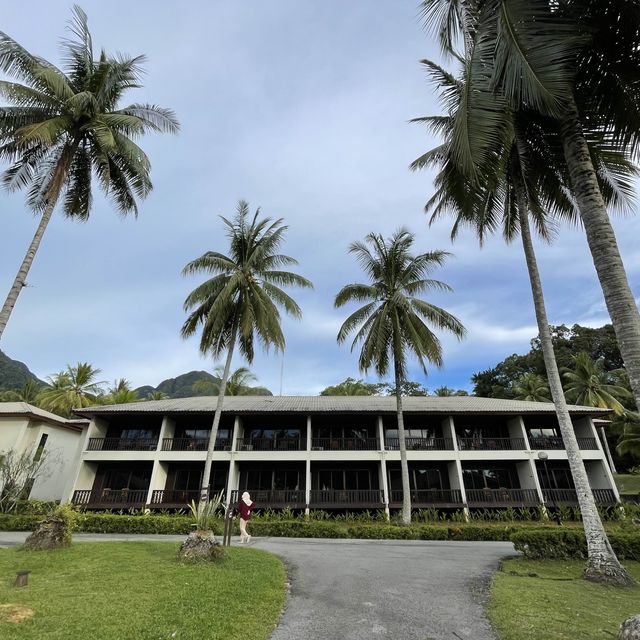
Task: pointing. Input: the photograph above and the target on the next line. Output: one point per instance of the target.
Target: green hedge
(561, 543)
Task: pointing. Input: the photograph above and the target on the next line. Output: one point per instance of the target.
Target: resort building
(28, 429)
(337, 452)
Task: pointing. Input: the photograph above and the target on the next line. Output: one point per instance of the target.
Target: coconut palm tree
(240, 302)
(156, 395)
(64, 126)
(121, 393)
(576, 64)
(394, 322)
(75, 387)
(629, 441)
(590, 385)
(517, 179)
(237, 384)
(532, 387)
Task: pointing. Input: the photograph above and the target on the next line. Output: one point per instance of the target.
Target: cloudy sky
(301, 108)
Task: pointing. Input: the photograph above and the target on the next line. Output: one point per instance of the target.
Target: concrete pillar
(380, 424)
(232, 480)
(449, 431)
(167, 430)
(309, 434)
(158, 478)
(237, 427)
(604, 444)
(98, 428)
(456, 481)
(85, 477)
(383, 480)
(517, 430)
(67, 493)
(307, 486)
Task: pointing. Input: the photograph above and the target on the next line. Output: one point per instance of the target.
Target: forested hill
(13, 373)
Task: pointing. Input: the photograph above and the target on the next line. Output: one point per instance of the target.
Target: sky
(303, 109)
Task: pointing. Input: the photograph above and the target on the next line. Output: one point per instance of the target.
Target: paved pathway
(366, 589)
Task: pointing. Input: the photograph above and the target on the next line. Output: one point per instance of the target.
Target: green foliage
(353, 387)
(204, 513)
(532, 388)
(75, 387)
(564, 543)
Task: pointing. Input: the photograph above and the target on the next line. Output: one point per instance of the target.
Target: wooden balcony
(274, 498)
(269, 444)
(554, 497)
(491, 444)
(345, 444)
(194, 444)
(110, 498)
(175, 499)
(502, 497)
(422, 498)
(349, 498)
(556, 442)
(122, 444)
(420, 444)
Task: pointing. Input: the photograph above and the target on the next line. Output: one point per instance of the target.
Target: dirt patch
(15, 613)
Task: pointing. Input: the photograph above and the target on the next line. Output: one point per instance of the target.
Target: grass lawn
(557, 604)
(127, 590)
(628, 483)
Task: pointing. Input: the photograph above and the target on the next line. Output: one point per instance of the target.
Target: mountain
(14, 374)
(182, 386)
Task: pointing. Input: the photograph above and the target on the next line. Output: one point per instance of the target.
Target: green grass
(121, 591)
(628, 483)
(557, 604)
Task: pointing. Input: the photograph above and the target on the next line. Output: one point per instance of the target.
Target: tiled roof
(336, 404)
(26, 409)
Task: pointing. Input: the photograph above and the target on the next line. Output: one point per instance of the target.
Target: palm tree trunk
(602, 564)
(204, 489)
(602, 243)
(21, 276)
(404, 466)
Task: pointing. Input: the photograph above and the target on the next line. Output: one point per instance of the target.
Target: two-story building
(337, 452)
(28, 429)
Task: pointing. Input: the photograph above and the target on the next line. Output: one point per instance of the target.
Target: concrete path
(369, 589)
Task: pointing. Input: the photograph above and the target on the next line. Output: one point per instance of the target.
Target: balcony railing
(491, 444)
(556, 442)
(110, 498)
(194, 444)
(122, 444)
(292, 498)
(269, 444)
(420, 444)
(569, 496)
(428, 497)
(488, 497)
(174, 498)
(347, 498)
(345, 444)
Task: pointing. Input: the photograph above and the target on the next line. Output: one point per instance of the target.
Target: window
(270, 479)
(342, 479)
(41, 445)
(487, 478)
(554, 478)
(137, 434)
(419, 479)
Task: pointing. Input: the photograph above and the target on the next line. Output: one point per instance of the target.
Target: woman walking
(245, 507)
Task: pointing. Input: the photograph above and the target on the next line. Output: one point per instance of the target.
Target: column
(307, 486)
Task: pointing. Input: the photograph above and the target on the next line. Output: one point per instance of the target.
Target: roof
(17, 409)
(336, 404)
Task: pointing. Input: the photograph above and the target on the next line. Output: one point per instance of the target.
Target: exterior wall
(11, 431)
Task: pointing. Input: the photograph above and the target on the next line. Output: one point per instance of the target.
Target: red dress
(245, 509)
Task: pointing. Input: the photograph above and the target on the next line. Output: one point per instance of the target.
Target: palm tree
(121, 393)
(156, 395)
(591, 386)
(518, 179)
(64, 126)
(576, 63)
(75, 387)
(629, 441)
(392, 322)
(237, 384)
(532, 387)
(447, 392)
(240, 302)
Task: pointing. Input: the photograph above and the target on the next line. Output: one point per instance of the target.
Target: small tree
(18, 473)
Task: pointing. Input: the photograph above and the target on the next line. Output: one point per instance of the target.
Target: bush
(298, 529)
(561, 543)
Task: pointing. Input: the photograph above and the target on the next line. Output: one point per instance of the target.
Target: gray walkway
(366, 589)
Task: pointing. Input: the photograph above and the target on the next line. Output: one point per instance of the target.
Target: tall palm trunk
(602, 243)
(23, 271)
(404, 466)
(602, 563)
(206, 475)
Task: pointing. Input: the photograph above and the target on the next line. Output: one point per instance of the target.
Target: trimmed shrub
(561, 543)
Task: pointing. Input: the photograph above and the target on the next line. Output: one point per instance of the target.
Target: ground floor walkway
(369, 589)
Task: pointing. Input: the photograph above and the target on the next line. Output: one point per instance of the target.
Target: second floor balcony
(491, 444)
(122, 444)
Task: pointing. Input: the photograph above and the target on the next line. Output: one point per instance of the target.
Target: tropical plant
(27, 393)
(19, 472)
(120, 393)
(407, 388)
(393, 322)
(629, 441)
(240, 302)
(589, 385)
(445, 392)
(75, 387)
(532, 387)
(574, 63)
(204, 513)
(156, 395)
(238, 383)
(353, 387)
(64, 126)
(511, 181)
